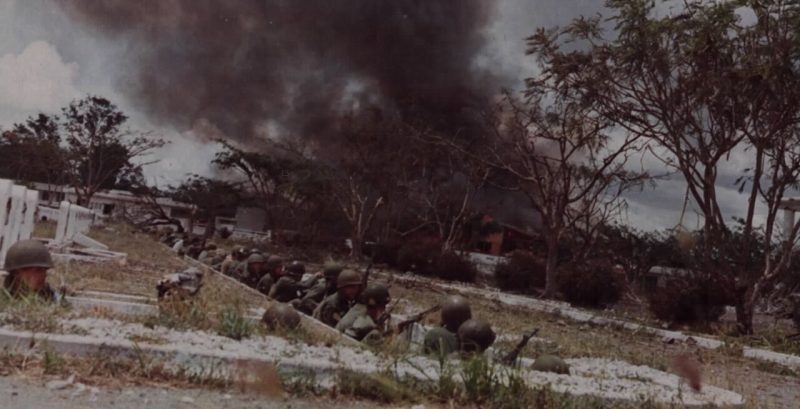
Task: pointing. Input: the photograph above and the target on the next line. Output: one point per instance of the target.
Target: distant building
(489, 236)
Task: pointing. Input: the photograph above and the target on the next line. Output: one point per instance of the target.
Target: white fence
(17, 214)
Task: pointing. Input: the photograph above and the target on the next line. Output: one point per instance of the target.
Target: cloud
(35, 80)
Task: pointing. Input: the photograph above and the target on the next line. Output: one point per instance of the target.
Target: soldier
(250, 273)
(320, 289)
(232, 263)
(288, 287)
(274, 272)
(366, 320)
(281, 316)
(443, 340)
(27, 263)
(335, 306)
(180, 286)
(209, 251)
(475, 336)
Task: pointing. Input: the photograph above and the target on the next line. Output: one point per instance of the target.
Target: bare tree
(557, 152)
(698, 88)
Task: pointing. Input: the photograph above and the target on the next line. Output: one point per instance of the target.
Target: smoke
(256, 68)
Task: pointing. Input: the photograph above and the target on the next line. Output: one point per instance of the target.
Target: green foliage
(590, 284)
(522, 272)
(234, 324)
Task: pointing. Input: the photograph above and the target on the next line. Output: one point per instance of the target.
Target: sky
(47, 59)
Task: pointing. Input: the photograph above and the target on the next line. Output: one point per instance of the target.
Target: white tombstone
(29, 216)
(5, 197)
(61, 224)
(13, 217)
(72, 220)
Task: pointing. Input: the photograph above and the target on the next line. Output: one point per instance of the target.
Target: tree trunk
(211, 227)
(356, 244)
(551, 269)
(745, 308)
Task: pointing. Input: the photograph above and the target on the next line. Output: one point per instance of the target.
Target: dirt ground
(763, 385)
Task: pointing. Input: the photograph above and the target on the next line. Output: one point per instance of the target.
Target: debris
(62, 384)
(185, 284)
(79, 389)
(689, 370)
(187, 399)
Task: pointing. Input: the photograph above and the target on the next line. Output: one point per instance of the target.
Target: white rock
(187, 399)
(59, 385)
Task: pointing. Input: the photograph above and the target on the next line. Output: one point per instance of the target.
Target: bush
(450, 266)
(687, 301)
(593, 284)
(522, 272)
(224, 233)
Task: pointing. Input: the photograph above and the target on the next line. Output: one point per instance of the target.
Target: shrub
(451, 266)
(224, 233)
(687, 301)
(418, 258)
(592, 284)
(521, 272)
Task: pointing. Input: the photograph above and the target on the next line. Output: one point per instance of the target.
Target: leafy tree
(212, 197)
(99, 152)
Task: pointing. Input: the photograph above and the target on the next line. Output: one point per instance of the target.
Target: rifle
(417, 318)
(511, 357)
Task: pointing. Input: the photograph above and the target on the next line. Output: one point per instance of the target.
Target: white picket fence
(17, 214)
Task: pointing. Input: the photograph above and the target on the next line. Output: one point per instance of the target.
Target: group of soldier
(338, 297)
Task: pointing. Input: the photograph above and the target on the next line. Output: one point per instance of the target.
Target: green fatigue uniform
(440, 341)
(229, 267)
(358, 324)
(334, 306)
(318, 289)
(332, 309)
(265, 284)
(286, 289)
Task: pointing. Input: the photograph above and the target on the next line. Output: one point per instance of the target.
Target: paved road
(21, 394)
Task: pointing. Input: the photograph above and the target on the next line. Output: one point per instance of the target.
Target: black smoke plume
(301, 64)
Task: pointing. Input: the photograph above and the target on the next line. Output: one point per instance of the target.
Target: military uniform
(444, 340)
(358, 323)
(332, 309)
(440, 341)
(285, 289)
(318, 288)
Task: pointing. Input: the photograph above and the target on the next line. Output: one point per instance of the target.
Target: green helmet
(255, 258)
(376, 296)
(274, 261)
(475, 335)
(280, 315)
(296, 268)
(455, 310)
(550, 363)
(27, 253)
(347, 278)
(331, 271)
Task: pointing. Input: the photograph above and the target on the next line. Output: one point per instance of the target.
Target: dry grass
(45, 229)
(759, 383)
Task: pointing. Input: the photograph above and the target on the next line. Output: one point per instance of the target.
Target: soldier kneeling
(366, 321)
(27, 263)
